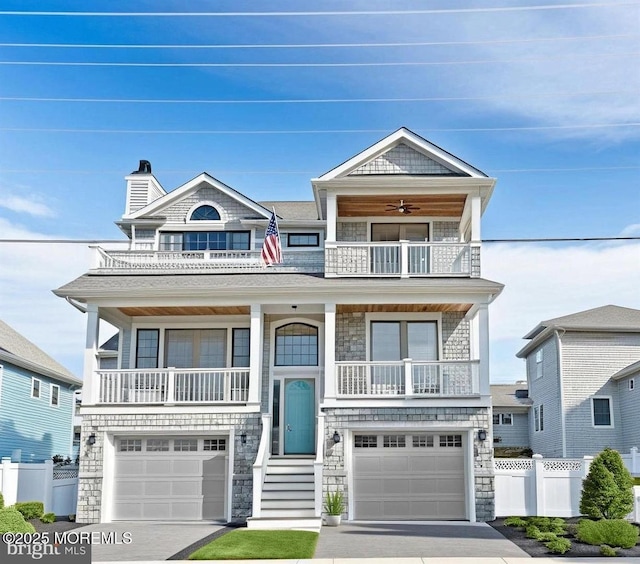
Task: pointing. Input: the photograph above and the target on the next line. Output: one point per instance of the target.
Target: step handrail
(260, 465)
(318, 464)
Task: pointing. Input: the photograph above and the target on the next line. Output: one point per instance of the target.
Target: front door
(299, 417)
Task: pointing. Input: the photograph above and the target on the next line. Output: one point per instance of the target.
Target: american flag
(271, 248)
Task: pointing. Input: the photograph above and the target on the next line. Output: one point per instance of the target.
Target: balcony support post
(483, 341)
(170, 394)
(408, 377)
(255, 355)
(476, 213)
(332, 216)
(404, 259)
(91, 383)
(330, 373)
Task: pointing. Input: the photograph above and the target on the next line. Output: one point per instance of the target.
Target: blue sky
(546, 100)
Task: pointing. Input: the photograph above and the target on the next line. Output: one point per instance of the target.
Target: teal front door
(299, 417)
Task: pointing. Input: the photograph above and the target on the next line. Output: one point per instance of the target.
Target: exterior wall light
(336, 437)
(482, 435)
(91, 440)
(243, 438)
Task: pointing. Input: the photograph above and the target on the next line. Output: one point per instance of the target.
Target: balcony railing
(407, 378)
(173, 386)
(204, 261)
(402, 258)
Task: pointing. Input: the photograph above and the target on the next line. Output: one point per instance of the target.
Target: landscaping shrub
(572, 529)
(553, 525)
(546, 537)
(1, 501)
(515, 522)
(613, 532)
(607, 490)
(48, 518)
(558, 545)
(532, 532)
(606, 550)
(12, 521)
(30, 509)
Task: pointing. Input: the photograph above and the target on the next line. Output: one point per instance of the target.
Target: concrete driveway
(433, 539)
(149, 540)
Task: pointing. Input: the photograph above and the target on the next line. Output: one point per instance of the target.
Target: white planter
(332, 520)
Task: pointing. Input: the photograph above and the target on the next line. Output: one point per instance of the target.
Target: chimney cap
(143, 168)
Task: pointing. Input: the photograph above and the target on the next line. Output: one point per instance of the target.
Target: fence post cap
(537, 456)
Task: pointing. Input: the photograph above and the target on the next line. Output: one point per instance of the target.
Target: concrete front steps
(288, 496)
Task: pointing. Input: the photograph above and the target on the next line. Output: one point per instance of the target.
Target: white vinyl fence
(540, 486)
(56, 487)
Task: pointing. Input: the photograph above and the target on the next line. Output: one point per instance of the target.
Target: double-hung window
(503, 419)
(601, 412)
(538, 418)
(538, 365)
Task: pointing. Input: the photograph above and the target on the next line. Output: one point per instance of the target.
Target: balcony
(401, 259)
(173, 386)
(233, 261)
(407, 379)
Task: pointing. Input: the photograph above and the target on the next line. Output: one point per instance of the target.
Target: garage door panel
(188, 467)
(130, 467)
(398, 463)
(392, 486)
(423, 463)
(186, 487)
(367, 464)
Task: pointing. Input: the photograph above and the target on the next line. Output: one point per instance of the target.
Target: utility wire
(316, 65)
(310, 131)
(312, 100)
(316, 13)
(526, 240)
(319, 45)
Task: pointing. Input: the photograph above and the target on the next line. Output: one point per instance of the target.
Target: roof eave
(39, 369)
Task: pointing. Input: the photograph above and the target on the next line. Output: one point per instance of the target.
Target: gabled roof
(627, 371)
(609, 318)
(293, 210)
(191, 186)
(452, 164)
(504, 395)
(18, 350)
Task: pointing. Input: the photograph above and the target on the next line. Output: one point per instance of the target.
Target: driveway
(150, 540)
(433, 539)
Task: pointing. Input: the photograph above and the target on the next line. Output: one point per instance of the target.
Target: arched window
(205, 213)
(297, 345)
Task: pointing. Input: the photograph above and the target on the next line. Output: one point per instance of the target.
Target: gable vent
(137, 194)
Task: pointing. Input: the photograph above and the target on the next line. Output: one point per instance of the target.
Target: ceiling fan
(401, 207)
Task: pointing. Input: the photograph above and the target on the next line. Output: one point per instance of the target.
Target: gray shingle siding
(589, 361)
(546, 391)
(629, 404)
(516, 435)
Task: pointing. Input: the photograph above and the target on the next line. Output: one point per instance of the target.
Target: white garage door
(170, 478)
(408, 476)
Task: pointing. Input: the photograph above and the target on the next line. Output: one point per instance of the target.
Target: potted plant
(333, 506)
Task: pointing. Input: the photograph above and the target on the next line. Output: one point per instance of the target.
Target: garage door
(408, 476)
(176, 478)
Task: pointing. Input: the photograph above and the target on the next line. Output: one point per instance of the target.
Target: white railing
(171, 386)
(231, 260)
(318, 464)
(407, 378)
(260, 465)
(402, 258)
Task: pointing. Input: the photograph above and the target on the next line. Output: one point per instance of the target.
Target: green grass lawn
(243, 544)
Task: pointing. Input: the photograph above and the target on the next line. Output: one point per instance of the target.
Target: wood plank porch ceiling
(187, 310)
(401, 308)
(444, 205)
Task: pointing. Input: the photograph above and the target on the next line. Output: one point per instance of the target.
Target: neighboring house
(511, 405)
(359, 364)
(580, 371)
(36, 401)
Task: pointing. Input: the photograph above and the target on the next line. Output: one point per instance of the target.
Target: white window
(130, 445)
(538, 418)
(632, 383)
(55, 395)
(422, 441)
(450, 440)
(365, 441)
(157, 445)
(35, 387)
(503, 419)
(601, 413)
(215, 444)
(394, 441)
(185, 445)
(539, 363)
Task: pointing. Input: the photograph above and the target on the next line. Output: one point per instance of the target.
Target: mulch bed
(60, 525)
(537, 549)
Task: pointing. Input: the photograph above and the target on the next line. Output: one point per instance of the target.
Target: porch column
(483, 342)
(255, 355)
(329, 351)
(90, 384)
(476, 212)
(332, 216)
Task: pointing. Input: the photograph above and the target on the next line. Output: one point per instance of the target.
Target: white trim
(407, 316)
(51, 387)
(224, 216)
(1, 382)
(33, 381)
(593, 418)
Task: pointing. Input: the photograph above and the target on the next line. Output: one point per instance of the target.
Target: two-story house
(582, 371)
(511, 405)
(359, 364)
(36, 401)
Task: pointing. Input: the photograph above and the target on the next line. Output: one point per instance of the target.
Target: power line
(315, 65)
(308, 131)
(318, 45)
(310, 101)
(542, 7)
(525, 240)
